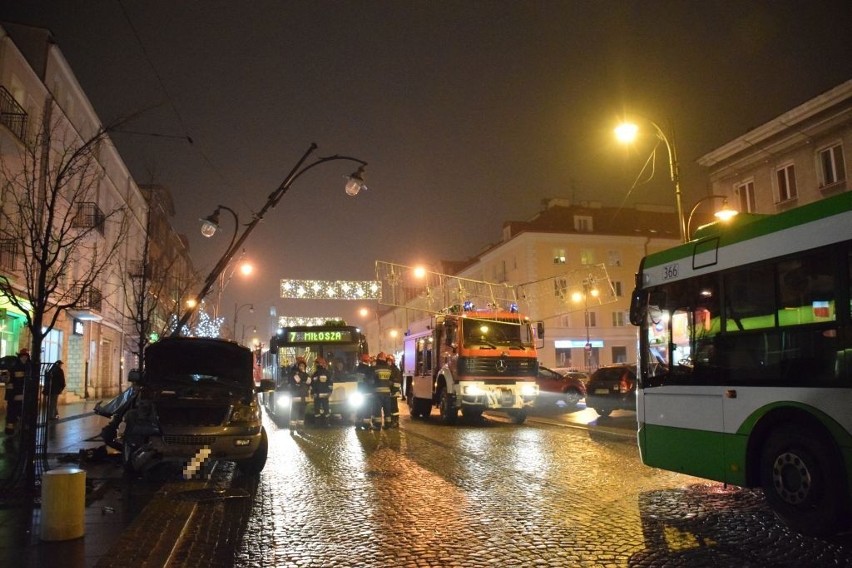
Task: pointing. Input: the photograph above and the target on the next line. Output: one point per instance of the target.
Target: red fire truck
(471, 360)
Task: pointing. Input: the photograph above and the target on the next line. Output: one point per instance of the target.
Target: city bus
(339, 344)
(745, 348)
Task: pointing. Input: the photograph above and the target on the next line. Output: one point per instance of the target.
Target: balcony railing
(12, 115)
(90, 216)
(92, 299)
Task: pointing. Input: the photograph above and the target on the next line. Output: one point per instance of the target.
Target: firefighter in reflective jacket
(383, 403)
(396, 389)
(321, 386)
(366, 382)
(19, 373)
(300, 390)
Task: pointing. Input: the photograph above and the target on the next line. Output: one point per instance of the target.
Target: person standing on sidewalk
(54, 384)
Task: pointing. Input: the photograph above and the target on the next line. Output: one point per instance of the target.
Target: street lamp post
(626, 132)
(589, 289)
(237, 312)
(354, 184)
(723, 214)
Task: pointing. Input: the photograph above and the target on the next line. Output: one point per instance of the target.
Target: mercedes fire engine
(469, 360)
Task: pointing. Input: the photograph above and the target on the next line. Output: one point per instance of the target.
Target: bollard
(63, 504)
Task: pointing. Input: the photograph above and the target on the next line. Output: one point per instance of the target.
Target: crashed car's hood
(185, 357)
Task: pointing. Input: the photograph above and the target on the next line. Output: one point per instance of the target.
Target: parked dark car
(612, 388)
(196, 399)
(561, 389)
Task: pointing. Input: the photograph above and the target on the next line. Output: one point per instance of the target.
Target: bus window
(806, 290)
(750, 298)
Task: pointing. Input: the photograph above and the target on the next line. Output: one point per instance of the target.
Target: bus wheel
(802, 479)
(449, 412)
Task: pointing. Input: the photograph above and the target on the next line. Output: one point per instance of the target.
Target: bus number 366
(670, 271)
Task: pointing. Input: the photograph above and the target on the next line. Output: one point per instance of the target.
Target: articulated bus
(339, 344)
(745, 352)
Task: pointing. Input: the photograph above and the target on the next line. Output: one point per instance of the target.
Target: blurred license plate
(601, 391)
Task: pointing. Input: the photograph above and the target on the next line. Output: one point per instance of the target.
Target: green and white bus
(745, 346)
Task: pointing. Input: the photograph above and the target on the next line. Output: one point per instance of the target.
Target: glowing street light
(726, 213)
(627, 132)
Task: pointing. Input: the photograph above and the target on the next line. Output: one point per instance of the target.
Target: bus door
(680, 404)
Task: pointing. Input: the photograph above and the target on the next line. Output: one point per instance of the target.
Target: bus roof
(753, 237)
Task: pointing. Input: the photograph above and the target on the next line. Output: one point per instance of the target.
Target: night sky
(469, 113)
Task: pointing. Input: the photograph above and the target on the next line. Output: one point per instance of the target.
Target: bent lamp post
(354, 184)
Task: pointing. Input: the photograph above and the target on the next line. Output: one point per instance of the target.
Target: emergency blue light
(513, 308)
(468, 306)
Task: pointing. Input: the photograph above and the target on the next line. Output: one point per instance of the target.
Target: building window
(616, 287)
(618, 319)
(745, 192)
(590, 319)
(614, 258)
(832, 168)
(619, 354)
(587, 256)
(786, 177)
(583, 224)
(558, 256)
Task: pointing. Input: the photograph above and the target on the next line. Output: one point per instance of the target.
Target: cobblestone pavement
(489, 494)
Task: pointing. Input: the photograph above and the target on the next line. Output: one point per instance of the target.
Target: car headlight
(245, 414)
(473, 390)
(282, 401)
(356, 400)
(529, 390)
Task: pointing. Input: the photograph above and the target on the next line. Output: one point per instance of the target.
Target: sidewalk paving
(110, 506)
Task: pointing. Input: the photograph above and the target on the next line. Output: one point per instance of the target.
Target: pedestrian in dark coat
(54, 384)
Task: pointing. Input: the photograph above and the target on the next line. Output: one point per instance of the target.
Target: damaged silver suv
(195, 400)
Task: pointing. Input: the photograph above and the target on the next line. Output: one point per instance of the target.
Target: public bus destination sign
(324, 336)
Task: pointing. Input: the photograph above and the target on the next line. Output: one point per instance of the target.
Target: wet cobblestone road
(487, 495)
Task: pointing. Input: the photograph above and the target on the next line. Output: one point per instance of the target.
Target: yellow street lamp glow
(191, 303)
(419, 272)
(577, 296)
(626, 132)
(246, 268)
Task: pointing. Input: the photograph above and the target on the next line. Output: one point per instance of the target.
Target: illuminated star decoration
(331, 289)
(308, 321)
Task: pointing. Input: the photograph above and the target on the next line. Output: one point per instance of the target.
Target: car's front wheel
(603, 411)
(254, 465)
(572, 397)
